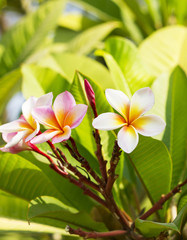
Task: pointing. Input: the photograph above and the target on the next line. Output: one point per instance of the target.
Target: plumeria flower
(130, 117)
(64, 116)
(20, 146)
(26, 127)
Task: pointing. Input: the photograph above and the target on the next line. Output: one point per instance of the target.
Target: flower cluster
(65, 115)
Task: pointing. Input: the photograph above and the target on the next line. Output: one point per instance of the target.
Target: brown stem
(84, 163)
(96, 235)
(99, 155)
(113, 164)
(64, 174)
(158, 205)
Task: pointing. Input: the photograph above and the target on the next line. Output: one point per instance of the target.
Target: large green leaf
(126, 55)
(152, 163)
(171, 104)
(86, 41)
(153, 229)
(9, 84)
(39, 80)
(52, 209)
(30, 31)
(165, 49)
(68, 63)
(107, 138)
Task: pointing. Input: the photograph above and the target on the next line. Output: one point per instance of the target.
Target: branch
(113, 164)
(96, 235)
(84, 163)
(158, 205)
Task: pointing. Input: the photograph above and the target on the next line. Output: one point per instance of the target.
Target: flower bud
(90, 95)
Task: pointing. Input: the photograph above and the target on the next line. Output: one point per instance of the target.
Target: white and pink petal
(27, 108)
(127, 139)
(65, 135)
(119, 101)
(44, 100)
(14, 126)
(149, 125)
(45, 136)
(16, 139)
(108, 121)
(141, 102)
(75, 115)
(63, 104)
(46, 116)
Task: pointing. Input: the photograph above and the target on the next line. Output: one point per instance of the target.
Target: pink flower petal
(127, 139)
(14, 126)
(27, 108)
(141, 102)
(149, 125)
(62, 136)
(19, 147)
(29, 137)
(44, 100)
(8, 136)
(63, 104)
(75, 116)
(46, 116)
(108, 121)
(44, 137)
(16, 139)
(119, 101)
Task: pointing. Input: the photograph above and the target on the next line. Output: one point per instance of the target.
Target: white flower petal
(44, 100)
(62, 136)
(29, 137)
(119, 101)
(27, 108)
(127, 139)
(108, 121)
(14, 126)
(16, 139)
(141, 102)
(149, 125)
(44, 137)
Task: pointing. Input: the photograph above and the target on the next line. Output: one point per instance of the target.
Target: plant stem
(96, 235)
(113, 164)
(84, 163)
(158, 205)
(99, 155)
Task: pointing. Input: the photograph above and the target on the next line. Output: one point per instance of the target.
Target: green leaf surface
(51, 208)
(171, 104)
(9, 84)
(86, 41)
(152, 163)
(39, 80)
(79, 93)
(30, 31)
(68, 63)
(153, 229)
(165, 49)
(126, 55)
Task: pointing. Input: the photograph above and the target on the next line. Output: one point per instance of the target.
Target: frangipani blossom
(64, 116)
(26, 127)
(130, 117)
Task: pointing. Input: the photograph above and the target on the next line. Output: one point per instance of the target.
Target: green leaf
(69, 63)
(152, 163)
(86, 41)
(171, 104)
(153, 229)
(126, 55)
(30, 31)
(23, 179)
(78, 92)
(9, 84)
(39, 80)
(52, 209)
(165, 49)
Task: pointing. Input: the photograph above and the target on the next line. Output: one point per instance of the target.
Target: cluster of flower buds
(65, 115)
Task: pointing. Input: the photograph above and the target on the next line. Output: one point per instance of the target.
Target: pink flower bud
(90, 95)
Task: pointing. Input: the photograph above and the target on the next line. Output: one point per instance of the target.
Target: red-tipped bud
(90, 95)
